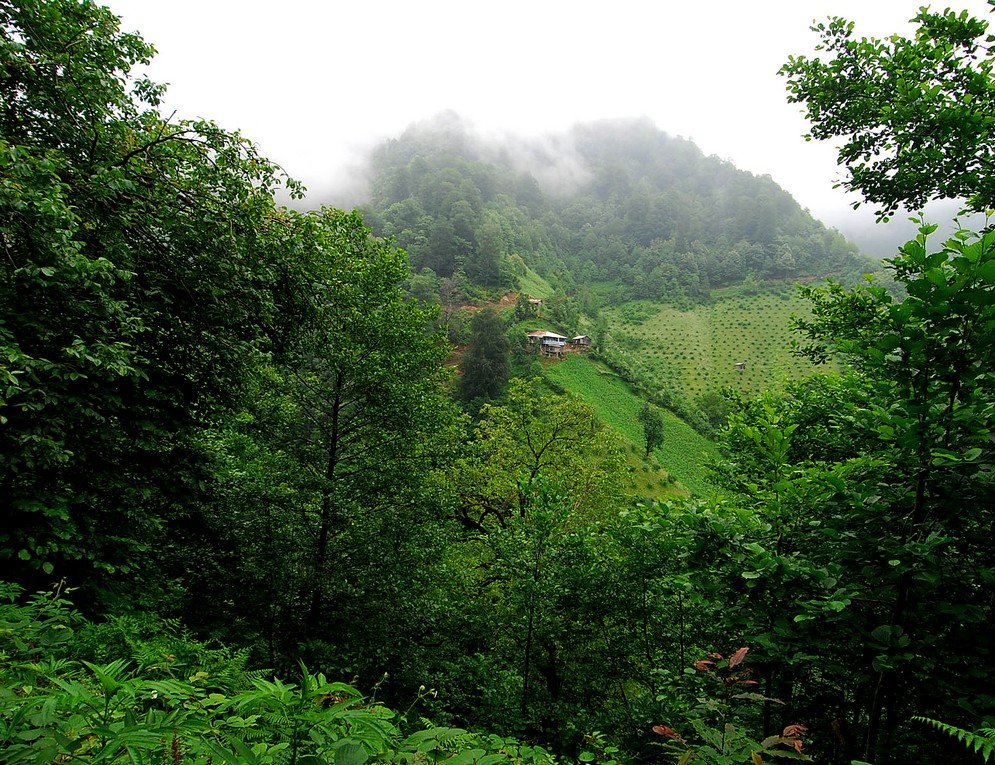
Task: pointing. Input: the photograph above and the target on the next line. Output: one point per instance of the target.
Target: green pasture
(684, 451)
(534, 285)
(696, 351)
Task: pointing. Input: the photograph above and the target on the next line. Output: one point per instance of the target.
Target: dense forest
(252, 510)
(618, 202)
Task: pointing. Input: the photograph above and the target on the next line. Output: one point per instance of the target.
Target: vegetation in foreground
(138, 691)
(229, 416)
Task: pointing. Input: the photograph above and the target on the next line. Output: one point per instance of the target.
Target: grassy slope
(684, 451)
(534, 285)
(695, 351)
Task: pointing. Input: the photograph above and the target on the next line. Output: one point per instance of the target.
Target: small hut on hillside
(581, 343)
(548, 343)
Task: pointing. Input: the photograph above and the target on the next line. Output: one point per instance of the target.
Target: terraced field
(684, 451)
(697, 351)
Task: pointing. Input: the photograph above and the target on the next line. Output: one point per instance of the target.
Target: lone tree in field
(652, 422)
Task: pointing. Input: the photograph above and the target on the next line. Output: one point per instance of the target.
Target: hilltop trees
(644, 209)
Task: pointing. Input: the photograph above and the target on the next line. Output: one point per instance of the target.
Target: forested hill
(616, 201)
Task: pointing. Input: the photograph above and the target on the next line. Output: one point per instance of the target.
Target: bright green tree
(915, 113)
(529, 439)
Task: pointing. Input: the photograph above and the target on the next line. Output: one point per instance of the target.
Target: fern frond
(981, 742)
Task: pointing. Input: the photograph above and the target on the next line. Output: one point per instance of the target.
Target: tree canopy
(144, 271)
(915, 113)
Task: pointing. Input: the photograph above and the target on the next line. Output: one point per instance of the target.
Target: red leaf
(666, 730)
(737, 657)
(703, 665)
(794, 730)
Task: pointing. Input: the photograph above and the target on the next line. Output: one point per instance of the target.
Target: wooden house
(581, 342)
(548, 343)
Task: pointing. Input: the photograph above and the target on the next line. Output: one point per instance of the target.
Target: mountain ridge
(610, 201)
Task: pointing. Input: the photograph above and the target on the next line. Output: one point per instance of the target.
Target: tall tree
(142, 277)
(652, 422)
(485, 366)
(363, 380)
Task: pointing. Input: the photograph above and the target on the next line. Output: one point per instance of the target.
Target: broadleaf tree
(914, 113)
(140, 281)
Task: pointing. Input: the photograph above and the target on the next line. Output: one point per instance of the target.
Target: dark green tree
(351, 423)
(652, 421)
(143, 276)
(485, 366)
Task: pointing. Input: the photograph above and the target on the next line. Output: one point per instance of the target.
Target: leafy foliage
(53, 706)
(724, 741)
(915, 112)
(980, 742)
(142, 277)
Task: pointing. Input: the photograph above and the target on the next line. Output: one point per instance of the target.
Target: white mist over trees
(615, 201)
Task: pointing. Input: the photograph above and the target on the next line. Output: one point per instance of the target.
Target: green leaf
(351, 754)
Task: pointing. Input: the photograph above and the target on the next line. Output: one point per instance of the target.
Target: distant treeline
(618, 202)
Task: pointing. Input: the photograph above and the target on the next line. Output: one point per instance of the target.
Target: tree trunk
(325, 517)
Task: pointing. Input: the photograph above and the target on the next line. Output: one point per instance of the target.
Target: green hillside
(534, 285)
(696, 351)
(684, 451)
(649, 213)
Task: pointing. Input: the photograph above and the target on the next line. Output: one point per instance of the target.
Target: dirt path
(508, 299)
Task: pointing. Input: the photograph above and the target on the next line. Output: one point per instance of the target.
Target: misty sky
(315, 83)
